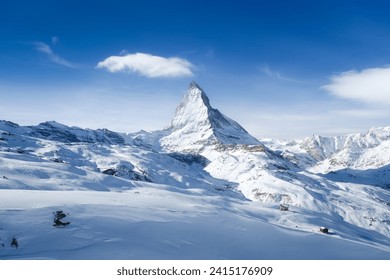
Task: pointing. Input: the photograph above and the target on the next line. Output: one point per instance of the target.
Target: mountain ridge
(52, 130)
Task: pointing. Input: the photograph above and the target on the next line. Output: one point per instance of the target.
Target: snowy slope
(262, 177)
(96, 166)
(188, 190)
(113, 217)
(161, 222)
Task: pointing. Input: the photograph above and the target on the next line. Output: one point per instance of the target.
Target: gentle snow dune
(162, 222)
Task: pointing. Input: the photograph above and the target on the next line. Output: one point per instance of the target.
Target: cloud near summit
(148, 65)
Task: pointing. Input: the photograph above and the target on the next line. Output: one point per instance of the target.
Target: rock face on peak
(196, 124)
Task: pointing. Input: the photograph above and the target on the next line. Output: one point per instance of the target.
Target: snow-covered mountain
(199, 183)
(52, 130)
(357, 151)
(359, 158)
(197, 125)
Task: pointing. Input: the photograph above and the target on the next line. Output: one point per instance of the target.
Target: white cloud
(46, 49)
(369, 85)
(148, 65)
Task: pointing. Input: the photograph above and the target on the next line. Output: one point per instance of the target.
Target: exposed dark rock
(190, 159)
(128, 172)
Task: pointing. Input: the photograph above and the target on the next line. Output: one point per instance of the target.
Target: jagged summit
(196, 124)
(194, 107)
(357, 151)
(193, 85)
(195, 91)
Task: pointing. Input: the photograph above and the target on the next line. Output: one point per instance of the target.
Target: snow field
(149, 222)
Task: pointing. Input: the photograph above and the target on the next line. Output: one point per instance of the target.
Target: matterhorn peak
(195, 90)
(196, 124)
(194, 85)
(194, 107)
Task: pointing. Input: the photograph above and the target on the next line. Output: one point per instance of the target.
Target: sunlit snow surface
(117, 218)
(203, 188)
(161, 222)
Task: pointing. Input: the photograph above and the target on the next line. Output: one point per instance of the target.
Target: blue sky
(282, 69)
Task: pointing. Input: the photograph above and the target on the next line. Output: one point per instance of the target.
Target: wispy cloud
(275, 74)
(148, 65)
(53, 57)
(369, 85)
(55, 40)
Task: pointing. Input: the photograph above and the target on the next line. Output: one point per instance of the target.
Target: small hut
(324, 229)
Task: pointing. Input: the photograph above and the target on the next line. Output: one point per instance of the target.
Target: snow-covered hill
(201, 188)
